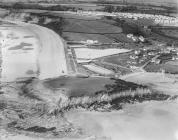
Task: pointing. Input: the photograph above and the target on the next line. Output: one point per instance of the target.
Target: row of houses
(158, 19)
(136, 38)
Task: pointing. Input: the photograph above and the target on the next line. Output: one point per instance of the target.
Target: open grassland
(82, 26)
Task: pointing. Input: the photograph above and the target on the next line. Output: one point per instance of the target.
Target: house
(129, 35)
(135, 39)
(137, 52)
(133, 57)
(141, 38)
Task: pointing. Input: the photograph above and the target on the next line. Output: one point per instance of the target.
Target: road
(48, 56)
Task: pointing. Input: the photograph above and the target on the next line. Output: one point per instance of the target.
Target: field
(82, 29)
(79, 86)
(120, 59)
(93, 27)
(170, 32)
(87, 53)
(98, 69)
(69, 36)
(155, 2)
(169, 67)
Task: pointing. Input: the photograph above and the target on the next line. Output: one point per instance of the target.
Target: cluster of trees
(20, 5)
(56, 24)
(111, 8)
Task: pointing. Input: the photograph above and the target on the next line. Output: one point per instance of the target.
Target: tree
(109, 8)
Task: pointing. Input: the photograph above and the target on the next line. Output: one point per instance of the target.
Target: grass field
(82, 29)
(82, 26)
(169, 67)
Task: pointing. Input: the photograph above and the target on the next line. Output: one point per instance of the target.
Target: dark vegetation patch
(35, 129)
(40, 129)
(137, 8)
(26, 90)
(129, 27)
(121, 85)
(56, 24)
(21, 5)
(117, 103)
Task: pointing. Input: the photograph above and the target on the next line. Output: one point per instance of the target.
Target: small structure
(141, 38)
(129, 35)
(137, 52)
(135, 39)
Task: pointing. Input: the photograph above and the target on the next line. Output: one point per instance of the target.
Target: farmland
(81, 30)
